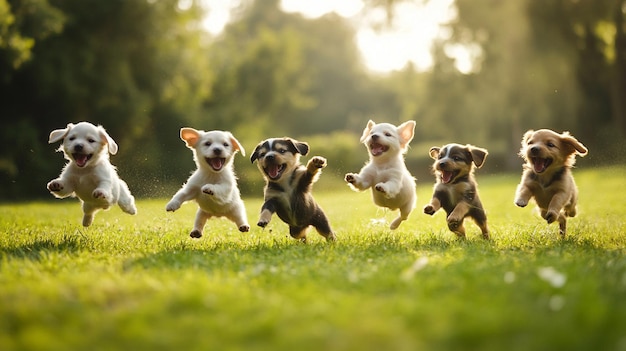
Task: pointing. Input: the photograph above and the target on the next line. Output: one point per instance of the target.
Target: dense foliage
(144, 68)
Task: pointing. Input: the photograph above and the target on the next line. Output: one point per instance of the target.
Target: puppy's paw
(172, 206)
(101, 194)
(195, 234)
(55, 186)
(318, 162)
(454, 224)
(351, 178)
(521, 202)
(244, 228)
(207, 190)
(262, 223)
(551, 216)
(381, 188)
(429, 209)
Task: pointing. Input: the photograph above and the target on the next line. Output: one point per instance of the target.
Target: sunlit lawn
(140, 283)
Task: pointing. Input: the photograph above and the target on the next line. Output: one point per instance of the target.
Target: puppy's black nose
(217, 151)
(78, 147)
(375, 137)
(534, 150)
(269, 157)
(442, 164)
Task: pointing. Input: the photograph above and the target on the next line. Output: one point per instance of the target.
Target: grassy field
(140, 283)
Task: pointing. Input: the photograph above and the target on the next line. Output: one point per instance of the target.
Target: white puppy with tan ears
(214, 184)
(392, 184)
(89, 174)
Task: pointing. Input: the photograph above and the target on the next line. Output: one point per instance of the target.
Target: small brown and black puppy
(547, 174)
(288, 187)
(456, 190)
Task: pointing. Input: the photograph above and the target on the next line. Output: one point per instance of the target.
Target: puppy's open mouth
(378, 149)
(217, 163)
(540, 164)
(447, 176)
(274, 171)
(81, 159)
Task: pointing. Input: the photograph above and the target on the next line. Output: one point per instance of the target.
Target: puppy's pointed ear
(301, 147)
(59, 134)
(367, 130)
(190, 136)
(406, 131)
(111, 144)
(236, 144)
(434, 152)
(575, 146)
(478, 155)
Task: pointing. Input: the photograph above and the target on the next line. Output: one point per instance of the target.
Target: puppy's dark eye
(440, 156)
(72, 138)
(225, 144)
(550, 144)
(282, 151)
(456, 158)
(208, 143)
(387, 134)
(91, 140)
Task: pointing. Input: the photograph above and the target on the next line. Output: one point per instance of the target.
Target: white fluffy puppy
(393, 185)
(214, 184)
(89, 175)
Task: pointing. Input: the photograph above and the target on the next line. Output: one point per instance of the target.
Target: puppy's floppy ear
(236, 144)
(59, 134)
(478, 155)
(406, 131)
(190, 136)
(301, 147)
(527, 137)
(108, 140)
(575, 146)
(366, 131)
(255, 154)
(434, 152)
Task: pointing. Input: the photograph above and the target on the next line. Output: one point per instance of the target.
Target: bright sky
(415, 25)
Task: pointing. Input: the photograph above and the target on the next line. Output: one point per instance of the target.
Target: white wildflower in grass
(556, 302)
(509, 277)
(417, 266)
(552, 276)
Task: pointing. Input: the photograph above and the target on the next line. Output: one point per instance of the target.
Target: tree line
(144, 69)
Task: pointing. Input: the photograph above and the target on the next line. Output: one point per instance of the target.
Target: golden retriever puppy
(392, 185)
(89, 174)
(213, 185)
(547, 175)
(456, 190)
(288, 187)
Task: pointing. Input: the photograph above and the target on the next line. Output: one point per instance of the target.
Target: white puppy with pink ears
(214, 184)
(392, 184)
(89, 174)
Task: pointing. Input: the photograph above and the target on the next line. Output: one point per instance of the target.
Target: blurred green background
(145, 68)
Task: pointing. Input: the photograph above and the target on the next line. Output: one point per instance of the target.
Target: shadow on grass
(34, 251)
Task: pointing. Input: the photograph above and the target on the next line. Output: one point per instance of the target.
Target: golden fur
(547, 174)
(456, 190)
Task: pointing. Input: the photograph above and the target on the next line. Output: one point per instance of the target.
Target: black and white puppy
(288, 186)
(456, 190)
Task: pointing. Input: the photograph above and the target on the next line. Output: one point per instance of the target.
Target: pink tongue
(446, 176)
(217, 163)
(273, 171)
(539, 164)
(377, 149)
(80, 160)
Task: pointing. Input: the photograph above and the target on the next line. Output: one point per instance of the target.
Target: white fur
(392, 184)
(215, 190)
(95, 181)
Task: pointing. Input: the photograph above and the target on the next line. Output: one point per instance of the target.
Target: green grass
(140, 283)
